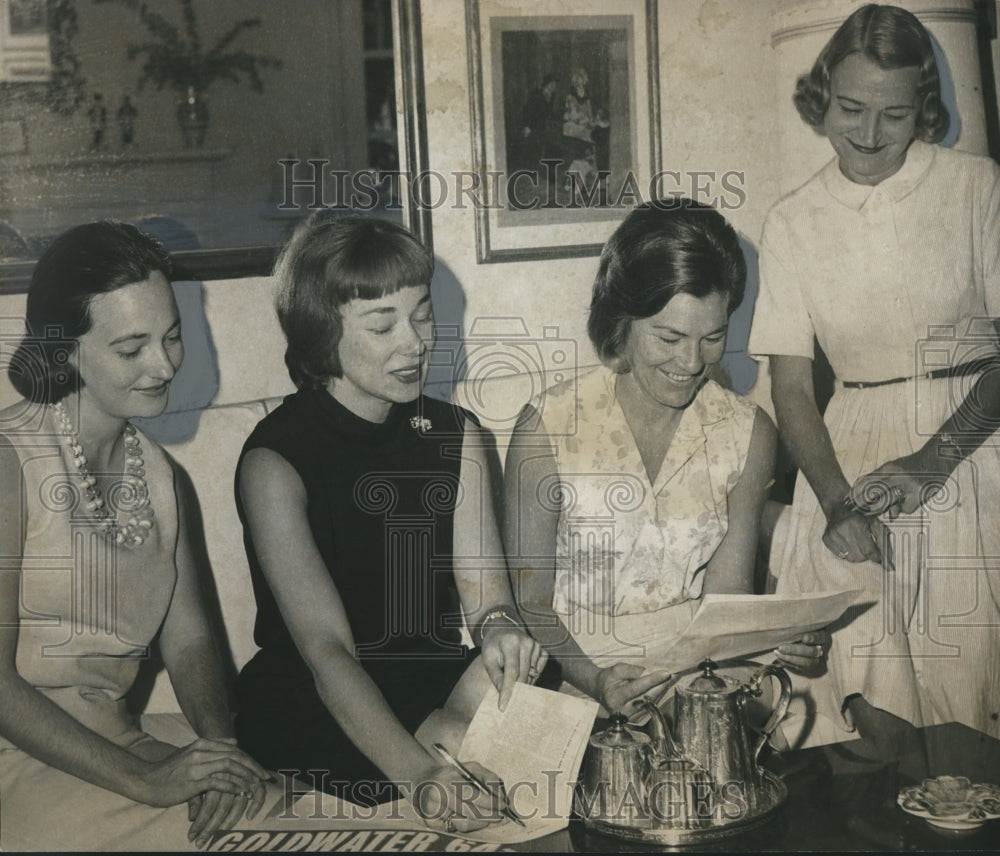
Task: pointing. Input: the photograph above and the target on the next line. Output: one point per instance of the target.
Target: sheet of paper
(738, 625)
(536, 746)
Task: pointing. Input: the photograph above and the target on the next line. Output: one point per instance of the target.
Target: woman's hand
(621, 687)
(448, 803)
(205, 765)
(806, 656)
(215, 810)
(511, 655)
(899, 486)
(853, 537)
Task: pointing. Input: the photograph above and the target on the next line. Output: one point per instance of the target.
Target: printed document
(536, 746)
(739, 625)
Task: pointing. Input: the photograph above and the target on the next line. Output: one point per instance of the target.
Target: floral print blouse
(623, 545)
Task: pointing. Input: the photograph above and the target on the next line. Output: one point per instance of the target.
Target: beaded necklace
(131, 496)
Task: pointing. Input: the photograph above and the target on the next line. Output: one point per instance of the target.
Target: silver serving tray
(773, 794)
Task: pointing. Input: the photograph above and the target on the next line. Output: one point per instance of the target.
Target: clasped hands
(220, 784)
(854, 532)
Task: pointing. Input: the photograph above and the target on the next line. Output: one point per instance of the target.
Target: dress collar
(900, 184)
(709, 406)
(333, 414)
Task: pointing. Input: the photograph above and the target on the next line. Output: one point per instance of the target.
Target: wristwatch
(949, 440)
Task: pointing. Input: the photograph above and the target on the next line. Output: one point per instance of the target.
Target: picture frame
(565, 114)
(24, 42)
(257, 259)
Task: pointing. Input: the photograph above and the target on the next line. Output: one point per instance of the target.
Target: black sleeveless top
(381, 502)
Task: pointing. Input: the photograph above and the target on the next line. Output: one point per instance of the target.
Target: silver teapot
(712, 726)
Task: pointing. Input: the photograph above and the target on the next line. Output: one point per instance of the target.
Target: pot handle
(780, 709)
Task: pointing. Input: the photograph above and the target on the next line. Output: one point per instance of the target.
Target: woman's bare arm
(731, 568)
(848, 534)
(509, 653)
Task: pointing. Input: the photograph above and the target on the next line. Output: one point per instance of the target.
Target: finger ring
(843, 555)
(246, 794)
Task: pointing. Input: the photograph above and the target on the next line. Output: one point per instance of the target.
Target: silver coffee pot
(712, 725)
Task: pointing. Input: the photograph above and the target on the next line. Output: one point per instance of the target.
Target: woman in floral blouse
(640, 486)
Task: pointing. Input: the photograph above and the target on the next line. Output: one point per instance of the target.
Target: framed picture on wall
(24, 42)
(565, 122)
(222, 162)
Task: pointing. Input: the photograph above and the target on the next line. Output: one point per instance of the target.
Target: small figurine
(98, 116)
(126, 121)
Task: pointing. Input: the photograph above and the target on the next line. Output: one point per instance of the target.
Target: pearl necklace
(132, 495)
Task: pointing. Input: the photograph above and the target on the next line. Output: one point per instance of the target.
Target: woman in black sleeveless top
(368, 524)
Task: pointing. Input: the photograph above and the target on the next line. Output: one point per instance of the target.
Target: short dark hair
(891, 38)
(81, 263)
(663, 248)
(329, 261)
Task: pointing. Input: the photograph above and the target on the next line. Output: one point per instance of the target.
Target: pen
(473, 779)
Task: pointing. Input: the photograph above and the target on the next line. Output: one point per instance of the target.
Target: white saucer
(952, 804)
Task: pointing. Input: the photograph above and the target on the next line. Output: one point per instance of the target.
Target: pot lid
(619, 734)
(708, 681)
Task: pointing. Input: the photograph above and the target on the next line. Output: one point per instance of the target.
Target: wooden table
(841, 801)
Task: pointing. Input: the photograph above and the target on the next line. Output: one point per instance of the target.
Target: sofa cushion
(209, 461)
(249, 345)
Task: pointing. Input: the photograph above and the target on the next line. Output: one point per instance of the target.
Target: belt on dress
(962, 369)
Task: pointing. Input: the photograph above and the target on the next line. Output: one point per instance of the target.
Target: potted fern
(174, 58)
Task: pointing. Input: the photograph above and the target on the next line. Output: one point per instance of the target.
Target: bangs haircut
(662, 248)
(891, 38)
(330, 261)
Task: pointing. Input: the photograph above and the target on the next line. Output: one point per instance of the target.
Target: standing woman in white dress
(95, 562)
(890, 257)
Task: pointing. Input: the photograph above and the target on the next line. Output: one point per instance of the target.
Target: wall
(995, 45)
